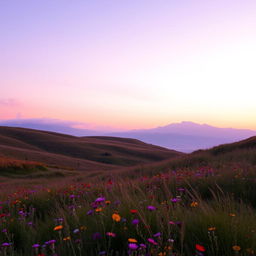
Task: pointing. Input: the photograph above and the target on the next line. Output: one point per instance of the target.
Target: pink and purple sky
(129, 64)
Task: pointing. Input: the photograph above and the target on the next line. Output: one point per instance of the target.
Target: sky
(129, 64)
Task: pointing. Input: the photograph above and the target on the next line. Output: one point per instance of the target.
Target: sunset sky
(131, 63)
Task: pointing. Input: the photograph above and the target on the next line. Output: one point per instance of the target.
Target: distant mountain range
(184, 136)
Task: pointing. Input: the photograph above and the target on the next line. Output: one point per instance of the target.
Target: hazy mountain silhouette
(188, 136)
(184, 136)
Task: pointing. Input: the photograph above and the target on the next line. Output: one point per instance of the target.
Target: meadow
(188, 211)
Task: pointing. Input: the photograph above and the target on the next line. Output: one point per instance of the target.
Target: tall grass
(177, 210)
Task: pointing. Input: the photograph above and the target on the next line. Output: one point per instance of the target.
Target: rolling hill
(184, 136)
(241, 154)
(81, 153)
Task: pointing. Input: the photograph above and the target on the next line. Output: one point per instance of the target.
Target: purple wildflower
(135, 222)
(100, 200)
(157, 234)
(151, 208)
(133, 246)
(152, 241)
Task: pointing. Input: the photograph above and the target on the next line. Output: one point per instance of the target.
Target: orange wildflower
(132, 240)
(116, 217)
(236, 248)
(194, 204)
(57, 228)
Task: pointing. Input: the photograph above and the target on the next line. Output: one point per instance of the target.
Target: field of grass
(199, 204)
(197, 211)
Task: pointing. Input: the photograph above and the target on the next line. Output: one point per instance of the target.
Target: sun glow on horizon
(130, 65)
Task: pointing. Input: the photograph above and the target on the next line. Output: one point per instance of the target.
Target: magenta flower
(152, 241)
(6, 244)
(133, 246)
(111, 234)
(151, 208)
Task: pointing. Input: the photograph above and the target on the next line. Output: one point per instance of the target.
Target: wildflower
(132, 240)
(66, 238)
(50, 242)
(75, 231)
(175, 200)
(157, 234)
(200, 248)
(211, 229)
(111, 234)
(35, 245)
(143, 246)
(133, 211)
(90, 212)
(135, 221)
(133, 246)
(116, 217)
(98, 210)
(152, 241)
(57, 228)
(194, 204)
(236, 248)
(151, 208)
(107, 202)
(100, 200)
(232, 215)
(6, 244)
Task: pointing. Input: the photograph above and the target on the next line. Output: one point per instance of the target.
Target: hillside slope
(241, 154)
(83, 153)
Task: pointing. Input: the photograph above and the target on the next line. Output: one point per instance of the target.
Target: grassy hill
(202, 204)
(81, 153)
(242, 153)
